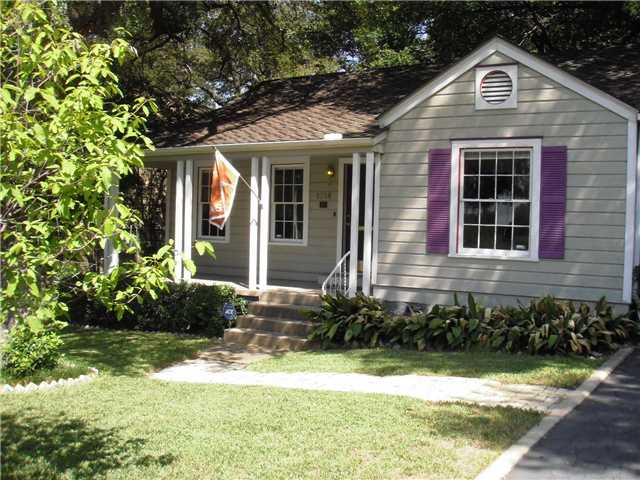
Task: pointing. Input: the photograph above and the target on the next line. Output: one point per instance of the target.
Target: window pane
(299, 176)
(277, 193)
(488, 213)
(504, 214)
(297, 193)
(521, 214)
(471, 210)
(521, 187)
(288, 230)
(300, 212)
(204, 228)
(299, 226)
(205, 211)
(521, 163)
(288, 194)
(487, 187)
(505, 163)
(279, 212)
(288, 212)
(279, 229)
(520, 238)
(470, 237)
(470, 187)
(504, 188)
(503, 238)
(278, 176)
(488, 164)
(471, 166)
(487, 237)
(288, 177)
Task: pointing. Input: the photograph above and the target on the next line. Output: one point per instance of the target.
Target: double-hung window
(206, 230)
(497, 201)
(289, 202)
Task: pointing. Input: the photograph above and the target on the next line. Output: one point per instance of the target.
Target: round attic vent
(496, 87)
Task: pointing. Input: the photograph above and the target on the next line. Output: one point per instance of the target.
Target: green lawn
(124, 425)
(551, 370)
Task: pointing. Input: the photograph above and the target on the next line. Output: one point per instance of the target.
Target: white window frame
(300, 162)
(512, 101)
(455, 225)
(227, 233)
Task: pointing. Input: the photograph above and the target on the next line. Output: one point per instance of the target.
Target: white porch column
(355, 215)
(254, 215)
(376, 219)
(111, 257)
(368, 222)
(178, 219)
(265, 204)
(188, 215)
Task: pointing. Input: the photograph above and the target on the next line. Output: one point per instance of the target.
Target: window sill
(287, 243)
(493, 257)
(213, 239)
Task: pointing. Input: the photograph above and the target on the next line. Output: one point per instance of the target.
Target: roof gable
(501, 46)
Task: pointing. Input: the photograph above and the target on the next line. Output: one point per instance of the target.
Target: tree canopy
(197, 55)
(67, 137)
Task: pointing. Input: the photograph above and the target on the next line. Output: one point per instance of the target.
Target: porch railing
(338, 280)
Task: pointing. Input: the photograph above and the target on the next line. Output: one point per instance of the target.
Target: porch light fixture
(331, 171)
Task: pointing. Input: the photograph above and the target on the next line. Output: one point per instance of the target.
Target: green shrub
(183, 308)
(544, 326)
(28, 351)
(354, 321)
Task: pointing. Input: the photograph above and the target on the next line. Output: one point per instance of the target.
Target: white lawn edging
(62, 382)
(501, 467)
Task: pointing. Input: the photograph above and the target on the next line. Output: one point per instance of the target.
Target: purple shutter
(438, 201)
(553, 199)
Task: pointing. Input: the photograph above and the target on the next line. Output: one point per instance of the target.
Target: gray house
(504, 174)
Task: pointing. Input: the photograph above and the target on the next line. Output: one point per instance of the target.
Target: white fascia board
(521, 56)
(357, 142)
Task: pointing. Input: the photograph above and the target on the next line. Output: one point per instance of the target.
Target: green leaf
(189, 265)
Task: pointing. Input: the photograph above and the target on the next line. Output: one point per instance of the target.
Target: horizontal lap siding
(232, 259)
(596, 141)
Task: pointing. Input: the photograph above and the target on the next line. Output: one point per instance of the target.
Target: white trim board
(630, 211)
(499, 45)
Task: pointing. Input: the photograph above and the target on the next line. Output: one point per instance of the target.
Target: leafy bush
(544, 326)
(28, 351)
(355, 321)
(183, 308)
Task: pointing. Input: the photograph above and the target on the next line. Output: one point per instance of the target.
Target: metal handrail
(338, 280)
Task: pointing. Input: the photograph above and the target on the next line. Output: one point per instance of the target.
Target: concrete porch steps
(276, 321)
(298, 328)
(264, 339)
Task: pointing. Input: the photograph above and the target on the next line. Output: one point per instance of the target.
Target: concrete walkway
(600, 439)
(213, 369)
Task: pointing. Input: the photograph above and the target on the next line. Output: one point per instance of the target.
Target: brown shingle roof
(307, 108)
(615, 70)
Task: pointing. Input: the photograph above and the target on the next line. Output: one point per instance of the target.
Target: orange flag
(224, 181)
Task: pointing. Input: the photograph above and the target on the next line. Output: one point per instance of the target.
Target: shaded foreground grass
(124, 425)
(553, 371)
(127, 427)
(118, 352)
